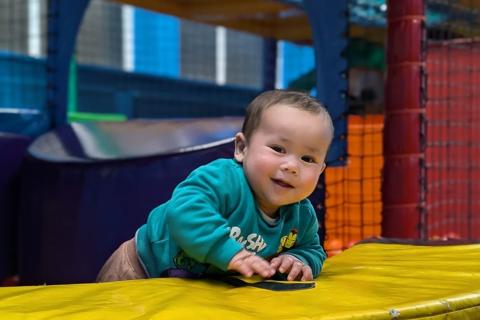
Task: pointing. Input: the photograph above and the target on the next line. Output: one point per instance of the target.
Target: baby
(249, 214)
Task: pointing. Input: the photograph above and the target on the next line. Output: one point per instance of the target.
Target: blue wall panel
(22, 82)
(297, 60)
(22, 95)
(157, 43)
(147, 96)
(103, 90)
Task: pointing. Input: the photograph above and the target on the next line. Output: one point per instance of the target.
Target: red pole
(402, 192)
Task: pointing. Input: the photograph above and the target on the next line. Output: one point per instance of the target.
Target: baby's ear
(240, 147)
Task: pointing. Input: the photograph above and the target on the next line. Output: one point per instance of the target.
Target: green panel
(87, 116)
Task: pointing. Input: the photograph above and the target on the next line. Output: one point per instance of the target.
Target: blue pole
(328, 21)
(269, 63)
(64, 18)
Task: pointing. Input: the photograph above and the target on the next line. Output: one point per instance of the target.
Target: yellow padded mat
(368, 281)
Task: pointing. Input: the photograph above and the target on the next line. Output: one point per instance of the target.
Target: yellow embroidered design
(288, 241)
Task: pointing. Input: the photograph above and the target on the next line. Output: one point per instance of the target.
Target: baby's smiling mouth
(282, 183)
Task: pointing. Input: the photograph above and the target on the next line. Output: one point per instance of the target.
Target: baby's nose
(290, 166)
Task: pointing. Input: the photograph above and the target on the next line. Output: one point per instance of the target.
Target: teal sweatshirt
(212, 215)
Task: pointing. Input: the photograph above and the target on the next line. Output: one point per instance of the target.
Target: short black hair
(270, 98)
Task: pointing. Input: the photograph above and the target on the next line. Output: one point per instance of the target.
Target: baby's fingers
(293, 267)
(244, 269)
(275, 262)
(307, 274)
(260, 266)
(295, 270)
(237, 263)
(248, 265)
(286, 263)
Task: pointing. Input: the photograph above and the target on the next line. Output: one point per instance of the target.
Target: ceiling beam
(230, 8)
(372, 34)
(267, 18)
(166, 6)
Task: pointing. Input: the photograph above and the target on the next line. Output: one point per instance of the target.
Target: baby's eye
(278, 149)
(309, 159)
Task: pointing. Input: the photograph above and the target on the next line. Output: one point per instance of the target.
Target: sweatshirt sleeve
(195, 219)
(308, 249)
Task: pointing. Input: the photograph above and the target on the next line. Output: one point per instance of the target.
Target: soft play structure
(368, 281)
(84, 188)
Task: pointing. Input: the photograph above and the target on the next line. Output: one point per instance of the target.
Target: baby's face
(284, 157)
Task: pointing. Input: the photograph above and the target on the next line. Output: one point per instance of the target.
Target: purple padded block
(12, 151)
(88, 187)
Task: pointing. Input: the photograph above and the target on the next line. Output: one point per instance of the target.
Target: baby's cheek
(265, 166)
(310, 182)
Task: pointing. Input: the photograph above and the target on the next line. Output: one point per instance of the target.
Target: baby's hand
(248, 264)
(295, 268)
